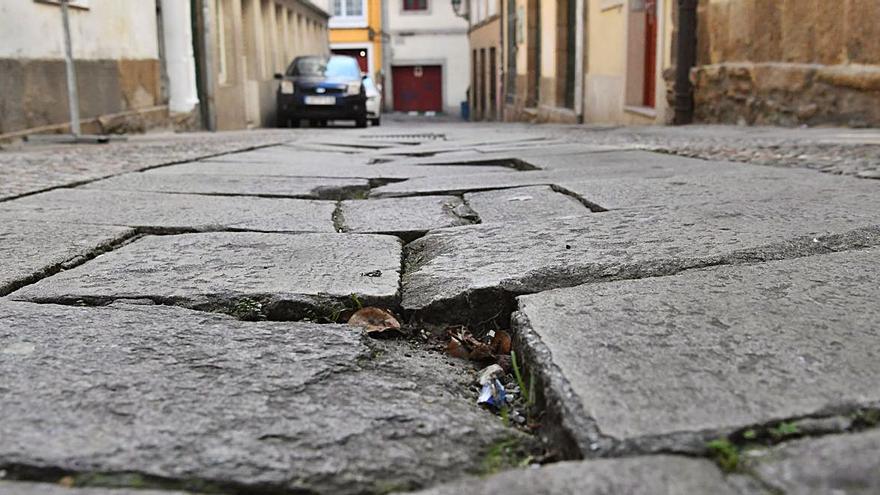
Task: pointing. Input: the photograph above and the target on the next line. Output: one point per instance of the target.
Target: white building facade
(427, 56)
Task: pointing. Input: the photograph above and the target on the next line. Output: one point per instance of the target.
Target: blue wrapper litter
(492, 394)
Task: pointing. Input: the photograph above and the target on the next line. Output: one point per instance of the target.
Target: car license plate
(320, 100)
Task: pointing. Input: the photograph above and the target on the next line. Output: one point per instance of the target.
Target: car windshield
(332, 67)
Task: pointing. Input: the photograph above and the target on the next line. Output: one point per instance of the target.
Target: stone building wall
(788, 62)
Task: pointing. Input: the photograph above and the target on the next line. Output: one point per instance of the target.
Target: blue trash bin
(465, 111)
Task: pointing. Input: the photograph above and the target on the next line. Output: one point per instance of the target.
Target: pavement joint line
(495, 298)
(593, 207)
(46, 272)
(74, 184)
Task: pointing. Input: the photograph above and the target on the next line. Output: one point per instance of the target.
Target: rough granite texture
(191, 400)
(407, 217)
(524, 204)
(291, 276)
(172, 211)
(382, 171)
(668, 475)
(453, 273)
(727, 186)
(557, 168)
(236, 185)
(33, 249)
(27, 488)
(667, 363)
(834, 464)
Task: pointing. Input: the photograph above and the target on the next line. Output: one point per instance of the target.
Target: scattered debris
(374, 273)
(378, 322)
(462, 344)
(493, 394)
(489, 374)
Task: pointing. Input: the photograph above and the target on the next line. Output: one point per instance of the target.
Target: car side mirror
(279, 75)
(364, 76)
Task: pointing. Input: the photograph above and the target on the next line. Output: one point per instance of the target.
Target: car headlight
(287, 87)
(353, 89)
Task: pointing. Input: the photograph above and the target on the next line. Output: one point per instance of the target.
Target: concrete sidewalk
(172, 311)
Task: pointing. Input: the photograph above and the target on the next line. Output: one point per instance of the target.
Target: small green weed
(505, 454)
(783, 430)
(725, 454)
(527, 393)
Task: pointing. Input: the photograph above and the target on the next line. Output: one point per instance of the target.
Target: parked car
(374, 101)
(321, 88)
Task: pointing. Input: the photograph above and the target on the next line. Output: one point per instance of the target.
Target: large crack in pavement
(546, 270)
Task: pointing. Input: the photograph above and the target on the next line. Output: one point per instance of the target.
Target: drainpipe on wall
(579, 62)
(203, 27)
(180, 63)
(387, 53)
(686, 58)
(72, 90)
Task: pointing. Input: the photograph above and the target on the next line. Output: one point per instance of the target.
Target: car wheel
(361, 121)
(377, 121)
(294, 123)
(322, 123)
(281, 121)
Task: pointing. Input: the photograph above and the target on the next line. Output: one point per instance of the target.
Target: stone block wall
(788, 62)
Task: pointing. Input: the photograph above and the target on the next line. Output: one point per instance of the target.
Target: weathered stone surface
(636, 475)
(25, 488)
(667, 363)
(286, 155)
(172, 211)
(726, 187)
(524, 204)
(199, 400)
(388, 171)
(557, 168)
(833, 464)
(237, 185)
(406, 217)
(453, 273)
(29, 250)
(292, 276)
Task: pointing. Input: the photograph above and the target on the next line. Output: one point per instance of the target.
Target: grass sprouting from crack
(505, 454)
(527, 393)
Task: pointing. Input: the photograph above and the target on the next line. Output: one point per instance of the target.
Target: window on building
(410, 5)
(348, 8)
(349, 14)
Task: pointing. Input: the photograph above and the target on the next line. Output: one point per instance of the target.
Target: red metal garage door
(417, 88)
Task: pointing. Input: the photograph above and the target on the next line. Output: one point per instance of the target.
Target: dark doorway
(649, 85)
(361, 54)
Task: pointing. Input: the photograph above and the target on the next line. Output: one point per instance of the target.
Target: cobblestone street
(692, 310)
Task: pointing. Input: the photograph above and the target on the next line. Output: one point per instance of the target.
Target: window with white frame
(82, 4)
(349, 13)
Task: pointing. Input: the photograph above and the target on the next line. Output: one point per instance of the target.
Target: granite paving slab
(668, 475)
(668, 363)
(524, 204)
(761, 184)
(472, 272)
(833, 464)
(237, 185)
(204, 402)
(28, 488)
(408, 218)
(388, 171)
(557, 168)
(278, 276)
(285, 155)
(30, 250)
(172, 211)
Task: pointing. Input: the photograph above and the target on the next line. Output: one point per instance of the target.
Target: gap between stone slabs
(250, 275)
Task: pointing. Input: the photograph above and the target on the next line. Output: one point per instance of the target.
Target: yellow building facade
(356, 30)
